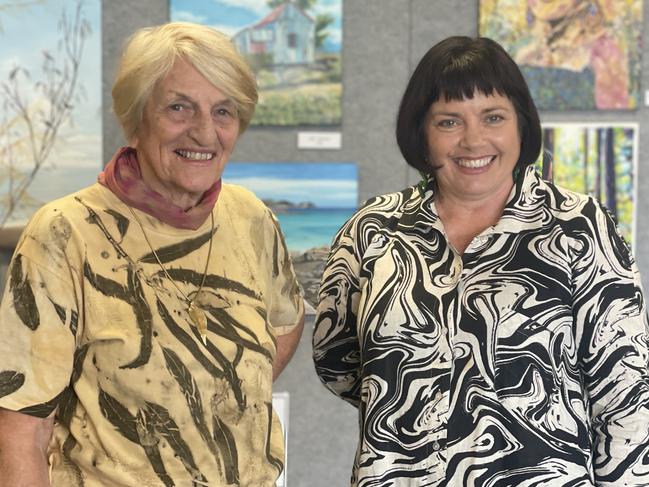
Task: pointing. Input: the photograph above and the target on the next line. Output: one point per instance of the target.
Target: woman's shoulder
(579, 214)
(70, 206)
(385, 207)
(235, 195)
(242, 204)
(562, 200)
(58, 224)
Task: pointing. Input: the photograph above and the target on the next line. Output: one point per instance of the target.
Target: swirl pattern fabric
(521, 363)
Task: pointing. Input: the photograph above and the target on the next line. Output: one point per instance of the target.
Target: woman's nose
(473, 135)
(203, 130)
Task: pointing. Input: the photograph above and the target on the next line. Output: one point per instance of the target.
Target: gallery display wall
(382, 42)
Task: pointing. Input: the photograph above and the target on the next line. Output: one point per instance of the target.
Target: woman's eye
(224, 112)
(447, 124)
(495, 118)
(177, 107)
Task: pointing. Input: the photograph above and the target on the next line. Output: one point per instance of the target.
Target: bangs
(468, 74)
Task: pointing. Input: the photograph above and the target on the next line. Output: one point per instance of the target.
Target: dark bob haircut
(454, 69)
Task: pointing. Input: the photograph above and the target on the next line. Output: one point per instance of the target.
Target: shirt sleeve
(286, 300)
(336, 350)
(38, 318)
(610, 312)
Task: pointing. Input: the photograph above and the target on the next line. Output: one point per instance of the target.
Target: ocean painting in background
(294, 47)
(575, 55)
(311, 200)
(595, 159)
(50, 102)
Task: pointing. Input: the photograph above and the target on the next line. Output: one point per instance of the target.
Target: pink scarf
(123, 177)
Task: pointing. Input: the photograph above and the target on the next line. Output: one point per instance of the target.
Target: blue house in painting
(287, 34)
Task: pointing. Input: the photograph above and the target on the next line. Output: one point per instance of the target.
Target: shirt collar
(524, 210)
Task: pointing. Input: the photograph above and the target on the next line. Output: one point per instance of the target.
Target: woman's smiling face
(188, 131)
(475, 145)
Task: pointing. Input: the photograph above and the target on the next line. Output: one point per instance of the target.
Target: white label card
(319, 140)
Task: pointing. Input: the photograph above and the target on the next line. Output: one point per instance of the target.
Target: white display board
(281, 406)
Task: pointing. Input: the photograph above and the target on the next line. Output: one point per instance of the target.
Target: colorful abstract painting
(595, 159)
(574, 54)
(294, 48)
(50, 102)
(311, 200)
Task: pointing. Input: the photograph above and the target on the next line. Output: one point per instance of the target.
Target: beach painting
(294, 48)
(600, 160)
(50, 103)
(577, 55)
(311, 200)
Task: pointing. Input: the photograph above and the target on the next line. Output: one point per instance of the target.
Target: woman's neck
(465, 220)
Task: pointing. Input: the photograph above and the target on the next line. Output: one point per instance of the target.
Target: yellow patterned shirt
(92, 325)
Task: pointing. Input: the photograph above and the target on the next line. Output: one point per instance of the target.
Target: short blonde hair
(150, 53)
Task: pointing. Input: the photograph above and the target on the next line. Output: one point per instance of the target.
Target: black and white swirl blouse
(521, 363)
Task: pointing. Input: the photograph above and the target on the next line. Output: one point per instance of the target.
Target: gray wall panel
(118, 21)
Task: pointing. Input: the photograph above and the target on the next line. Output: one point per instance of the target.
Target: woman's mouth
(195, 156)
(475, 163)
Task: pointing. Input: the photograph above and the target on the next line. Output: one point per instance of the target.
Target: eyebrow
(224, 101)
(458, 114)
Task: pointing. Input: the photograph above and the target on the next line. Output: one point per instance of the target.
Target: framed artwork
(600, 160)
(50, 103)
(575, 55)
(311, 200)
(294, 48)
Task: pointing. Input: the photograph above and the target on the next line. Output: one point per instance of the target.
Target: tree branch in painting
(34, 111)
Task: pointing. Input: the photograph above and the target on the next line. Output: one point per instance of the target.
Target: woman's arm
(336, 349)
(611, 318)
(23, 449)
(286, 345)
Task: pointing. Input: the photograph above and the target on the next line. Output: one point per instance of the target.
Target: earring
(423, 182)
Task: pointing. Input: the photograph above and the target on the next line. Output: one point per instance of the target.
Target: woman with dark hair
(489, 326)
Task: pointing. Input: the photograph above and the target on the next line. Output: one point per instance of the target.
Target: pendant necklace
(196, 314)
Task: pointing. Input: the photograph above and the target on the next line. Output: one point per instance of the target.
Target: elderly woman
(146, 316)
(489, 326)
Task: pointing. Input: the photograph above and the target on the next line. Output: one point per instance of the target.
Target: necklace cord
(190, 302)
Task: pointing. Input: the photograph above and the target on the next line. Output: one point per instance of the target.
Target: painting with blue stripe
(311, 200)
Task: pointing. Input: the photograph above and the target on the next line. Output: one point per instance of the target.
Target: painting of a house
(286, 35)
(294, 48)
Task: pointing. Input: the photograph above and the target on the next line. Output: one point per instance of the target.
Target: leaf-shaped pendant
(199, 319)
